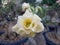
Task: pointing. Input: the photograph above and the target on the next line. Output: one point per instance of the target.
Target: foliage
(42, 11)
(32, 2)
(10, 5)
(0, 1)
(49, 2)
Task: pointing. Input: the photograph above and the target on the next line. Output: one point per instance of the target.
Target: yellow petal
(39, 28)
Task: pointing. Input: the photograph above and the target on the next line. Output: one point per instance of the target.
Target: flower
(25, 6)
(39, 1)
(58, 1)
(4, 2)
(28, 25)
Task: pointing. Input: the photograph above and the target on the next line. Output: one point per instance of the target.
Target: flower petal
(25, 6)
(39, 28)
(27, 31)
(32, 34)
(33, 28)
(20, 22)
(21, 32)
(37, 18)
(15, 28)
(27, 13)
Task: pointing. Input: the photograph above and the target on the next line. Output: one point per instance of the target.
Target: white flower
(28, 25)
(25, 6)
(38, 1)
(4, 2)
(58, 1)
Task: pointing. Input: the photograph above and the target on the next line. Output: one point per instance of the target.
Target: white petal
(27, 14)
(32, 34)
(15, 28)
(36, 17)
(21, 32)
(27, 31)
(24, 32)
(39, 28)
(20, 21)
(25, 6)
(33, 28)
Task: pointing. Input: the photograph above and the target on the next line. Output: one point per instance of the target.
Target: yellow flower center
(27, 22)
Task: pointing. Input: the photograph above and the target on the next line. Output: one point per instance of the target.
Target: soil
(8, 36)
(53, 37)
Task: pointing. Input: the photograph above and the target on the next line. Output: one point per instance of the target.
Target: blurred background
(49, 11)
